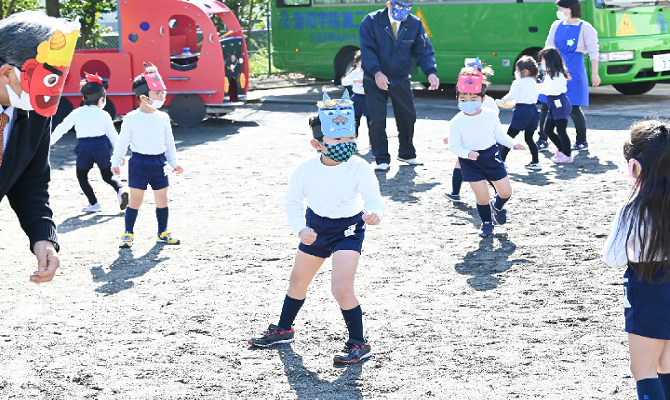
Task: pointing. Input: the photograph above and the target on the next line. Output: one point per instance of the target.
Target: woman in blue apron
(573, 38)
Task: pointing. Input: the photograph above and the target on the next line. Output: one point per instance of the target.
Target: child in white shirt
(355, 79)
(555, 86)
(96, 138)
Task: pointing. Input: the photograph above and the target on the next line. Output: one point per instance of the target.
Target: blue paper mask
(400, 9)
(337, 116)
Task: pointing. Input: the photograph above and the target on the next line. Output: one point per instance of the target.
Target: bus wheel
(187, 110)
(634, 88)
(343, 63)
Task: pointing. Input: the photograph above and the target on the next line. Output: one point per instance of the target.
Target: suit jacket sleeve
(29, 196)
(369, 46)
(423, 52)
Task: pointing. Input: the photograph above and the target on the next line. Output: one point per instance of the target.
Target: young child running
(354, 78)
(341, 193)
(523, 95)
(489, 104)
(149, 134)
(473, 137)
(554, 86)
(640, 241)
(96, 137)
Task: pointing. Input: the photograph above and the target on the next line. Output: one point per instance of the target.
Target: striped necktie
(4, 118)
(395, 29)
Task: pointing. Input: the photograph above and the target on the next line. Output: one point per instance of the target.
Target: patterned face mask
(340, 152)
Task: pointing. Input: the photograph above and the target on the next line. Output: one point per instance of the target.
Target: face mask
(400, 10)
(103, 104)
(340, 152)
(156, 104)
(470, 107)
(543, 68)
(631, 165)
(517, 75)
(23, 101)
(561, 15)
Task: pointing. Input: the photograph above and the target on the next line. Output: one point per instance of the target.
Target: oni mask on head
(471, 79)
(43, 77)
(337, 116)
(400, 9)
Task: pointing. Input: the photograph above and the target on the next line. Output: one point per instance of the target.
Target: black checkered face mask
(340, 152)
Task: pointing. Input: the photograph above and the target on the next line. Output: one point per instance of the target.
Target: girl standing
(640, 241)
(559, 107)
(524, 93)
(354, 78)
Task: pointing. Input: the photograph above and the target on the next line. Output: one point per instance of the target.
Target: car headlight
(616, 56)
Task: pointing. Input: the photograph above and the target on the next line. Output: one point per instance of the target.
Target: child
(341, 193)
(488, 103)
(554, 86)
(149, 134)
(523, 94)
(640, 241)
(96, 137)
(472, 137)
(354, 79)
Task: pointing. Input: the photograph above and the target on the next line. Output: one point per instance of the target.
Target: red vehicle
(205, 68)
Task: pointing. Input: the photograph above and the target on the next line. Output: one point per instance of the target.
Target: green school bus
(319, 37)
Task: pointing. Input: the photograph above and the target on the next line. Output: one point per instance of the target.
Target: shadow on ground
(80, 221)
(401, 188)
(125, 268)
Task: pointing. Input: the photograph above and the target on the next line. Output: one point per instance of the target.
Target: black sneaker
(580, 146)
(354, 351)
(542, 145)
(274, 335)
(500, 216)
(456, 198)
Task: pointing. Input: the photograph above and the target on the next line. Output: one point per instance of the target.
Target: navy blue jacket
(380, 51)
(25, 173)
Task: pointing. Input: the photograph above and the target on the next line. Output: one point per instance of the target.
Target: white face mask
(517, 75)
(561, 15)
(102, 104)
(156, 103)
(23, 101)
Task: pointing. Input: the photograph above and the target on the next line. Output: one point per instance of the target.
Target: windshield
(629, 3)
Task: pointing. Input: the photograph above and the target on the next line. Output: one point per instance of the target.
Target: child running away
(330, 200)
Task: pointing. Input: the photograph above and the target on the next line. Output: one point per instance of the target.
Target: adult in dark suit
(31, 82)
(391, 39)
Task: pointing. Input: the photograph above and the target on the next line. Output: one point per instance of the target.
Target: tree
(16, 6)
(88, 12)
(53, 8)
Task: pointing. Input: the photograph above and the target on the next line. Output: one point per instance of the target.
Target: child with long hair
(354, 78)
(640, 241)
(523, 95)
(555, 87)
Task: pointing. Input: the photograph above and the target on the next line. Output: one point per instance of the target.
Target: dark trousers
(402, 100)
(577, 118)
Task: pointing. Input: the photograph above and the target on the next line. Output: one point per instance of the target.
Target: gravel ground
(532, 312)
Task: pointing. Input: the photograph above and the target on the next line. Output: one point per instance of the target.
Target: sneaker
(166, 237)
(562, 159)
(127, 240)
(122, 195)
(456, 198)
(274, 335)
(91, 208)
(580, 146)
(486, 229)
(382, 167)
(542, 145)
(410, 161)
(500, 216)
(354, 351)
(557, 155)
(535, 166)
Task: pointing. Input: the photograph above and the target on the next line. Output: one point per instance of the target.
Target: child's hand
(446, 140)
(123, 161)
(371, 218)
(473, 155)
(307, 236)
(116, 170)
(519, 146)
(178, 170)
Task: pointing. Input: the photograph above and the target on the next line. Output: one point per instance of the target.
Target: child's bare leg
(503, 188)
(481, 192)
(345, 263)
(664, 369)
(161, 197)
(304, 269)
(645, 355)
(136, 198)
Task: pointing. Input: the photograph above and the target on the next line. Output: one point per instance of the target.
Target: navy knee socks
(499, 202)
(162, 218)
(289, 311)
(456, 181)
(131, 217)
(665, 383)
(650, 389)
(354, 320)
(484, 212)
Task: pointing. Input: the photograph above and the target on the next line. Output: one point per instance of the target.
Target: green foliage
(18, 6)
(88, 12)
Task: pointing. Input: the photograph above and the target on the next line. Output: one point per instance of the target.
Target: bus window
(340, 1)
(294, 3)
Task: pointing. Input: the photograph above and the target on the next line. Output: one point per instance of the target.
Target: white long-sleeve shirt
(523, 90)
(553, 86)
(147, 133)
(490, 104)
(476, 132)
(586, 43)
(351, 78)
(339, 191)
(88, 121)
(618, 251)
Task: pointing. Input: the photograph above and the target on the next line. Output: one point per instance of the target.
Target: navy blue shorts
(333, 234)
(360, 104)
(556, 112)
(91, 150)
(488, 166)
(147, 169)
(646, 305)
(526, 117)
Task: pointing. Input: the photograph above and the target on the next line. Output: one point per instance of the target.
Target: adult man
(35, 56)
(389, 40)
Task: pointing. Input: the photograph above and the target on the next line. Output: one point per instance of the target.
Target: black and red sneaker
(274, 335)
(354, 351)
